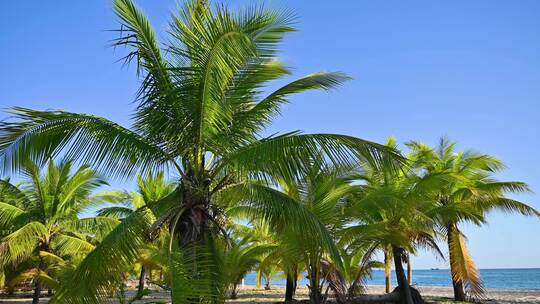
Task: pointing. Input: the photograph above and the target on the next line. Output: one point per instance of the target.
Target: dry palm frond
(464, 268)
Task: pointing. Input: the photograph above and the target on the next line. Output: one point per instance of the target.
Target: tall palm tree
(469, 194)
(201, 111)
(40, 217)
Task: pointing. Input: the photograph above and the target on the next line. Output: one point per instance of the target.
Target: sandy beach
(250, 294)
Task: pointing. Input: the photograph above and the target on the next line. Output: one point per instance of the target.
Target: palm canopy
(133, 240)
(151, 188)
(319, 197)
(469, 193)
(40, 224)
(201, 110)
(391, 209)
(201, 105)
(238, 257)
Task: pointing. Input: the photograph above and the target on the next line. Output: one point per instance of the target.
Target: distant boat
(435, 269)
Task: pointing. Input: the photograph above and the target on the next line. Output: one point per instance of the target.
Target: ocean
(523, 278)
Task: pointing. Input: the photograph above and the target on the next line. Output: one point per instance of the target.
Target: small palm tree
(150, 189)
(321, 193)
(238, 258)
(468, 195)
(390, 210)
(267, 271)
(42, 231)
(281, 257)
(349, 280)
(201, 110)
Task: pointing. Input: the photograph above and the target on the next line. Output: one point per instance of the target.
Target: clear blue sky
(422, 69)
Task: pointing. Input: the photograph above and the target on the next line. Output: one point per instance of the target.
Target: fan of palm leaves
(469, 193)
(42, 236)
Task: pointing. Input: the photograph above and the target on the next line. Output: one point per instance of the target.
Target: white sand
(249, 295)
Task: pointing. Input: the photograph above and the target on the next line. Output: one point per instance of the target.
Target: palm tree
(468, 195)
(238, 258)
(200, 115)
(349, 280)
(280, 258)
(321, 192)
(40, 218)
(267, 271)
(390, 210)
(150, 189)
(387, 253)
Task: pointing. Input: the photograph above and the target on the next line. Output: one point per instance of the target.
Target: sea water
(523, 278)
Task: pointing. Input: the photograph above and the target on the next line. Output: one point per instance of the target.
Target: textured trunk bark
(409, 269)
(387, 270)
(459, 290)
(37, 291)
(315, 296)
(142, 278)
(290, 288)
(315, 292)
(234, 294)
(404, 288)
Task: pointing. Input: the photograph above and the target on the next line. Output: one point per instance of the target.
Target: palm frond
(464, 266)
(90, 139)
(283, 212)
(99, 272)
(511, 205)
(288, 155)
(264, 111)
(35, 273)
(19, 245)
(66, 245)
(11, 216)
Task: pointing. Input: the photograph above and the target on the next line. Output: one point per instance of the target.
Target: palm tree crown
(470, 191)
(40, 224)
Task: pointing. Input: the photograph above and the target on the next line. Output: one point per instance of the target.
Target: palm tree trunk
(290, 288)
(459, 290)
(37, 291)
(234, 294)
(405, 290)
(315, 293)
(267, 285)
(142, 278)
(409, 269)
(387, 270)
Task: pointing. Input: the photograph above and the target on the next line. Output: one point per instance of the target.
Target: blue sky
(422, 69)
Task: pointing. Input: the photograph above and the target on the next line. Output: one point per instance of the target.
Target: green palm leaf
(19, 245)
(99, 272)
(92, 139)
